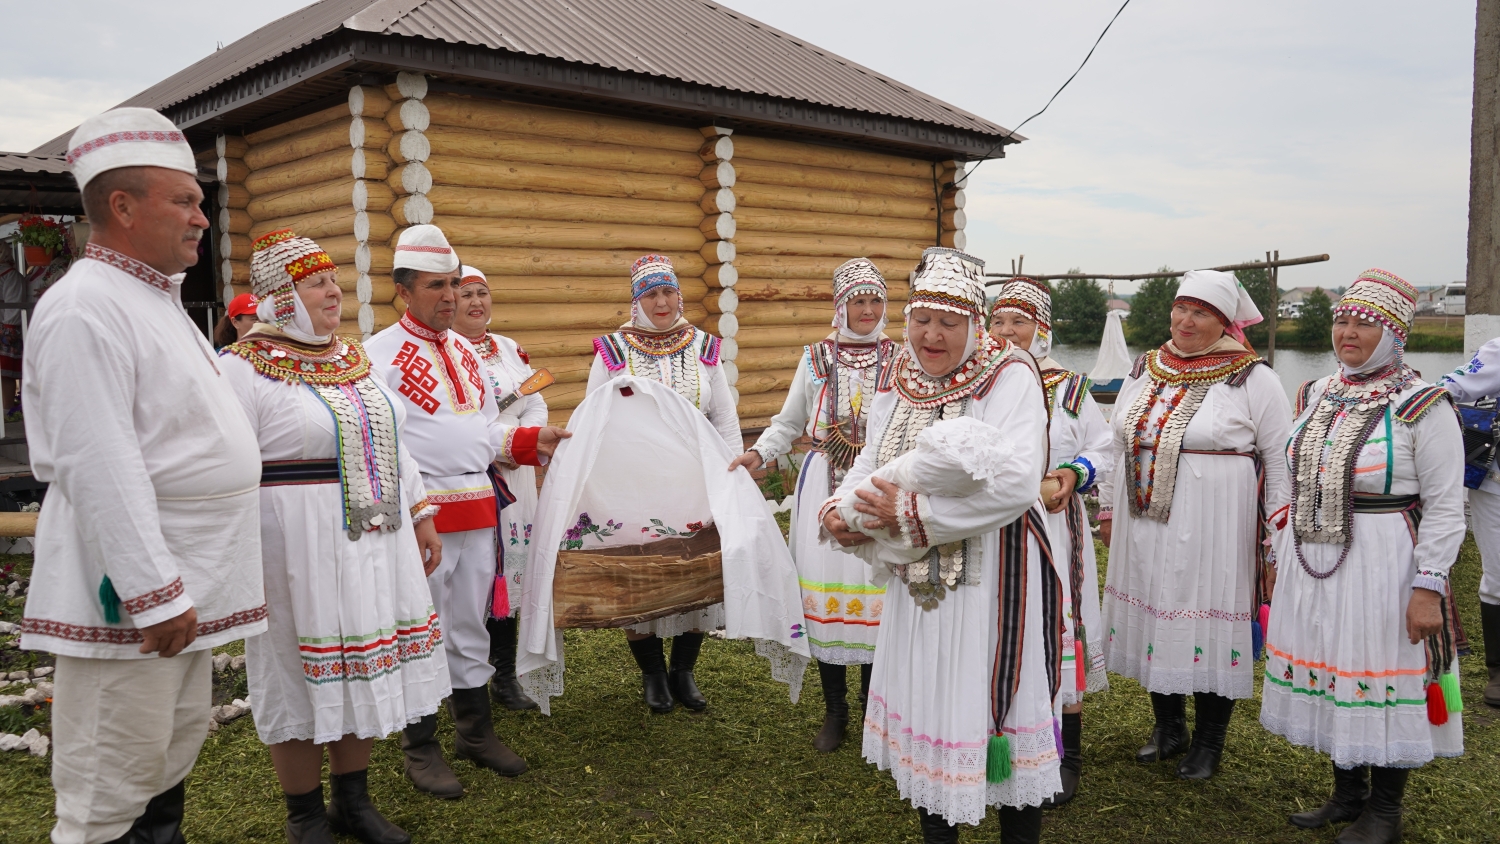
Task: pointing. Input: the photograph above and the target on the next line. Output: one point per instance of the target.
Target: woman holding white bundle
(967, 659)
(1194, 426)
(1080, 450)
(353, 650)
(1360, 661)
(658, 343)
(830, 401)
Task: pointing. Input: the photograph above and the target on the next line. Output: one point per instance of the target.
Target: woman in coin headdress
(1359, 654)
(1080, 446)
(659, 343)
(830, 401)
(353, 651)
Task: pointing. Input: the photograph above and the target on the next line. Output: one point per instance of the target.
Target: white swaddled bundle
(954, 458)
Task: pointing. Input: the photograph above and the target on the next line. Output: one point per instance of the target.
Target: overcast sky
(1199, 133)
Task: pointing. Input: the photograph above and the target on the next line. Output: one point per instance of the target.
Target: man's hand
(881, 505)
(1424, 615)
(1068, 479)
(548, 438)
(751, 460)
(840, 530)
(171, 636)
(1106, 530)
(429, 546)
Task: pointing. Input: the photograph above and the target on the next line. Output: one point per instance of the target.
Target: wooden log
(954, 198)
(569, 369)
(233, 196)
(231, 146)
(334, 135)
(824, 178)
(232, 170)
(807, 222)
(476, 231)
(565, 397)
(798, 266)
(757, 243)
(577, 316)
(234, 221)
(954, 219)
(782, 336)
(756, 314)
(761, 404)
(234, 246)
(18, 524)
(344, 249)
(718, 226)
(772, 381)
(555, 178)
(409, 85)
(955, 240)
(493, 115)
(413, 177)
(800, 153)
(802, 289)
(385, 314)
(239, 287)
(331, 222)
(336, 193)
(717, 148)
(414, 210)
(549, 344)
(519, 290)
(368, 101)
(718, 201)
(721, 275)
(240, 273)
(332, 114)
(349, 328)
(718, 251)
(339, 164)
(762, 360)
(466, 143)
(531, 205)
(409, 146)
(755, 195)
(503, 260)
(206, 157)
(718, 175)
(409, 116)
(382, 287)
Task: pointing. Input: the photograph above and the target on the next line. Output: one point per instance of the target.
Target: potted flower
(43, 239)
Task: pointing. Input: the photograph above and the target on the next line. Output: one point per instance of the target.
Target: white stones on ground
(33, 742)
(43, 691)
(44, 671)
(221, 662)
(18, 675)
(237, 663)
(7, 627)
(227, 713)
(13, 588)
(7, 701)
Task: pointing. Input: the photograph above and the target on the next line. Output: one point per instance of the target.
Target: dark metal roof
(689, 55)
(39, 183)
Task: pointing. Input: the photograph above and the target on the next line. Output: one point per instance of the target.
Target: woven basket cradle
(629, 584)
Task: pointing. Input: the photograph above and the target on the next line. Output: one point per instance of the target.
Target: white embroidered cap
(1224, 293)
(425, 249)
(127, 137)
(472, 275)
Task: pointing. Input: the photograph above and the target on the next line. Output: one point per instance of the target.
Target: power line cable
(1012, 132)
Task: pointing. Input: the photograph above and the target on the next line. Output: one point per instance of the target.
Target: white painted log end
(960, 198)
(356, 100)
(724, 200)
(417, 209)
(415, 116)
(414, 146)
(357, 132)
(711, 131)
(722, 275)
(731, 372)
(228, 293)
(411, 85)
(223, 220)
(363, 288)
(362, 257)
(414, 177)
(728, 300)
(729, 325)
(360, 196)
(718, 174)
(729, 349)
(357, 163)
(960, 219)
(734, 395)
(219, 145)
(720, 226)
(366, 318)
(361, 226)
(221, 172)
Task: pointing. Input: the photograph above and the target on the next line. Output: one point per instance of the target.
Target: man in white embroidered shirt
(148, 545)
(454, 431)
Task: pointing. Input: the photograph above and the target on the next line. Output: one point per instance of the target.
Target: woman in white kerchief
(1080, 445)
(829, 400)
(968, 662)
(658, 343)
(353, 650)
(1360, 644)
(1198, 431)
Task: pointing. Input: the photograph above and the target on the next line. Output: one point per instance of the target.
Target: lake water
(1293, 365)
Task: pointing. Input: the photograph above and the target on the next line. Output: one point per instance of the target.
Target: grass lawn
(604, 769)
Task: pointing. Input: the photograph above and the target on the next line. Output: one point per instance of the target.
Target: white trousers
(462, 587)
(1485, 509)
(123, 731)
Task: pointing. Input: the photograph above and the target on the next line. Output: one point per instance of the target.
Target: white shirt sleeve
(1479, 378)
(1438, 449)
(1096, 440)
(1271, 414)
(721, 411)
(791, 422)
(598, 374)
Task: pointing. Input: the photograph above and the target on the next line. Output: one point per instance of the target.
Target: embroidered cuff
(766, 458)
(158, 605)
(1105, 514)
(1085, 470)
(1432, 579)
(520, 447)
(909, 511)
(423, 510)
(823, 511)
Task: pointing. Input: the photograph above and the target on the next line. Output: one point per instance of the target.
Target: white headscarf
(845, 333)
(1384, 355)
(1225, 294)
(300, 328)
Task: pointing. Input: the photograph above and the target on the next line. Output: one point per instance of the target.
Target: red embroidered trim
(1173, 615)
(436, 250)
(128, 265)
(156, 598)
(130, 635)
(122, 137)
(416, 328)
(456, 497)
(417, 381)
(916, 531)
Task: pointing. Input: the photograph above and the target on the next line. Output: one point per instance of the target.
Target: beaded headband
(650, 272)
(948, 280)
(1382, 297)
(278, 261)
(1029, 298)
(857, 277)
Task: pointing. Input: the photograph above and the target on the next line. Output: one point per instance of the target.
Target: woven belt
(297, 472)
(1369, 502)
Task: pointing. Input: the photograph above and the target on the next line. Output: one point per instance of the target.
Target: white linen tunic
(354, 645)
(713, 399)
(1341, 675)
(506, 368)
(1084, 435)
(1179, 597)
(840, 600)
(928, 720)
(153, 468)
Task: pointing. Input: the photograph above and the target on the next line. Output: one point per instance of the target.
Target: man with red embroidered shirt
(148, 546)
(454, 431)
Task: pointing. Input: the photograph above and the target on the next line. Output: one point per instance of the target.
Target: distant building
(1119, 305)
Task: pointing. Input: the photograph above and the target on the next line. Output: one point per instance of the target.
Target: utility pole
(1482, 320)
(1271, 271)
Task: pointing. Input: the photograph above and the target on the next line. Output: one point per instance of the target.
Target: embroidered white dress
(1179, 597)
(1341, 675)
(840, 601)
(506, 366)
(929, 717)
(687, 360)
(1078, 433)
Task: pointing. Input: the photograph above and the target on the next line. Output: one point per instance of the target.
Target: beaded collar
(488, 349)
(659, 345)
(129, 266)
(283, 359)
(925, 391)
(417, 329)
(1168, 368)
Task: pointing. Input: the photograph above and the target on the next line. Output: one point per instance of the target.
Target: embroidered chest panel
(464, 384)
(668, 358)
(343, 362)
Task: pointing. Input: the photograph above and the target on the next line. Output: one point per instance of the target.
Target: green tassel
(110, 600)
(997, 761)
(1451, 694)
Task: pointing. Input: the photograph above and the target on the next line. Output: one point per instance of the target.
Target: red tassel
(1437, 707)
(500, 603)
(1081, 668)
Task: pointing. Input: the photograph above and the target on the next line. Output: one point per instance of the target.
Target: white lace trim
(840, 655)
(977, 446)
(1390, 754)
(1095, 681)
(546, 683)
(711, 618)
(787, 666)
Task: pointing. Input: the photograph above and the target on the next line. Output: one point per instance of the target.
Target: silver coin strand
(362, 512)
(678, 370)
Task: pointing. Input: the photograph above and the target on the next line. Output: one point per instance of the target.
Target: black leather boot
(1020, 825)
(1211, 715)
(866, 670)
(1169, 737)
(476, 741)
(1489, 620)
(350, 811)
(1072, 761)
(937, 830)
(1351, 787)
(306, 818)
(653, 662)
(504, 685)
(1380, 822)
(835, 707)
(161, 821)
(685, 647)
(424, 762)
